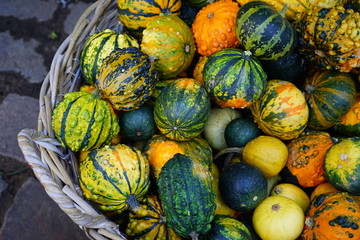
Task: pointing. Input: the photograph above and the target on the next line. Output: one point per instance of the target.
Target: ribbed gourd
(234, 78)
(264, 31)
(115, 178)
(98, 47)
(169, 40)
(329, 38)
(127, 78)
(190, 211)
(82, 121)
(135, 14)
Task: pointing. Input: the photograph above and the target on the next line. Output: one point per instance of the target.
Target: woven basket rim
(56, 167)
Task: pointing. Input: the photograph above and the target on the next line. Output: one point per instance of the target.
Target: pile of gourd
(221, 119)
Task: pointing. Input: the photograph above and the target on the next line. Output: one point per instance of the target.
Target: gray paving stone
(28, 9)
(35, 216)
(16, 112)
(76, 9)
(19, 56)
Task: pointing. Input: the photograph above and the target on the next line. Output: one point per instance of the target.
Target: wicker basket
(54, 166)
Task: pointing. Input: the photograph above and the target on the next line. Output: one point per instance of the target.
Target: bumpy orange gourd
(214, 27)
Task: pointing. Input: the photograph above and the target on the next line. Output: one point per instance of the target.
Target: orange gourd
(214, 27)
(198, 69)
(324, 187)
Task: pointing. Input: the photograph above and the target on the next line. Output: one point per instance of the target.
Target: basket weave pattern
(56, 167)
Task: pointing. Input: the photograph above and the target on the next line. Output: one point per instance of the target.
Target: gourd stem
(283, 10)
(194, 235)
(119, 28)
(310, 88)
(132, 201)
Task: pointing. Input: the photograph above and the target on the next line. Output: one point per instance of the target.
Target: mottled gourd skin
(264, 31)
(350, 122)
(190, 211)
(234, 78)
(98, 47)
(135, 14)
(182, 109)
(330, 38)
(170, 41)
(127, 78)
(82, 121)
(109, 175)
(149, 222)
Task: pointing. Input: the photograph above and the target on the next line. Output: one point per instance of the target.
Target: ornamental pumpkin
(264, 31)
(182, 109)
(329, 38)
(305, 161)
(329, 95)
(127, 78)
(98, 47)
(281, 111)
(135, 14)
(324, 187)
(149, 221)
(168, 39)
(349, 124)
(198, 69)
(293, 192)
(115, 178)
(82, 121)
(332, 216)
(234, 78)
(214, 27)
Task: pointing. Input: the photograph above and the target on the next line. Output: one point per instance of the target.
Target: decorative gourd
(225, 227)
(159, 86)
(213, 27)
(264, 31)
(342, 165)
(329, 95)
(281, 111)
(135, 14)
(190, 211)
(182, 109)
(350, 122)
(306, 158)
(115, 178)
(198, 69)
(267, 153)
(278, 217)
(325, 187)
(329, 38)
(293, 192)
(149, 221)
(234, 78)
(82, 121)
(160, 149)
(242, 186)
(240, 131)
(138, 124)
(98, 47)
(215, 127)
(332, 216)
(127, 78)
(169, 40)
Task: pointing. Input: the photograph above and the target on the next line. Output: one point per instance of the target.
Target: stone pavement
(30, 32)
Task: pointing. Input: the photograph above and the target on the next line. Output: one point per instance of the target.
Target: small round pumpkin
(293, 192)
(213, 27)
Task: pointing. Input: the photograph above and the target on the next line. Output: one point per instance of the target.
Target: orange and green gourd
(281, 111)
(82, 121)
(349, 124)
(115, 178)
(135, 14)
(198, 69)
(330, 38)
(97, 47)
(214, 27)
(127, 78)
(169, 40)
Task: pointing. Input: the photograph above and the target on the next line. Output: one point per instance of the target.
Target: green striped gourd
(170, 41)
(127, 78)
(182, 109)
(264, 31)
(135, 14)
(98, 47)
(159, 86)
(282, 111)
(115, 178)
(329, 95)
(234, 78)
(185, 191)
(82, 121)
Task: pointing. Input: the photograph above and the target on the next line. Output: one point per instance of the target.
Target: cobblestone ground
(30, 33)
